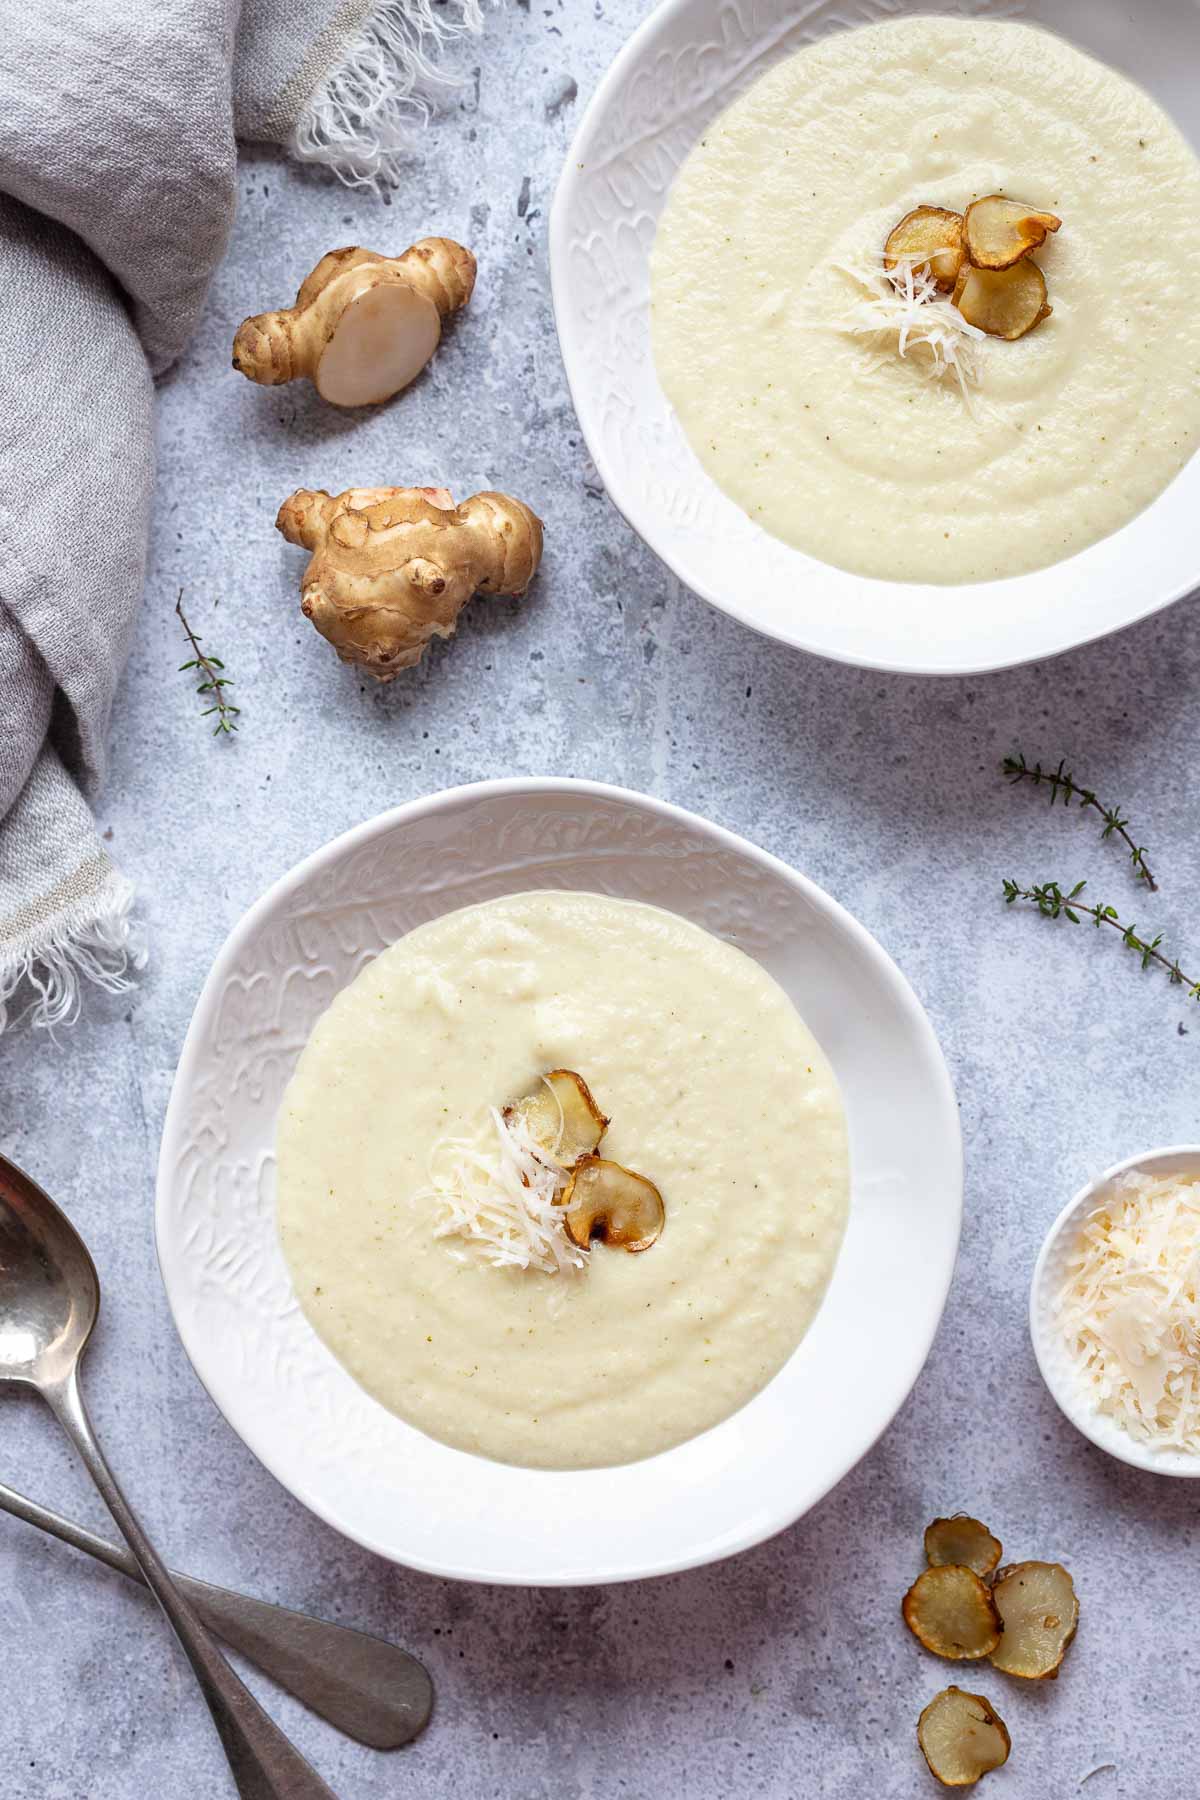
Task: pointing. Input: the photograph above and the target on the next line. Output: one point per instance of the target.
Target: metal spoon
(366, 1687)
(49, 1298)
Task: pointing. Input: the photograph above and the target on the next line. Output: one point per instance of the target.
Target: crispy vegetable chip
(962, 1540)
(928, 234)
(561, 1116)
(950, 1612)
(1039, 1611)
(1005, 303)
(615, 1205)
(961, 1737)
(998, 232)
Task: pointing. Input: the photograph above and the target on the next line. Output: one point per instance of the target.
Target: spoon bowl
(49, 1288)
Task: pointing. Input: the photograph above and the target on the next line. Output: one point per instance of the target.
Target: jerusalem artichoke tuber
(392, 567)
(363, 325)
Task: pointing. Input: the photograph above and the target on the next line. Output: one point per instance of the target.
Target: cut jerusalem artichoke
(615, 1205)
(1006, 303)
(949, 1610)
(964, 1541)
(550, 1186)
(961, 1738)
(363, 325)
(1026, 1619)
(392, 567)
(928, 234)
(981, 258)
(998, 232)
(1024, 1623)
(1039, 1612)
(561, 1116)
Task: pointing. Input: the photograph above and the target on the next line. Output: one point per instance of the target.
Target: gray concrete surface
(786, 1672)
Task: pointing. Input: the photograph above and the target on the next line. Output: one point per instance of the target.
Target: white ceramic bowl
(1048, 1344)
(379, 1480)
(683, 66)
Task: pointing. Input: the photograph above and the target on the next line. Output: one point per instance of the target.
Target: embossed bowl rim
(899, 627)
(700, 1501)
(1073, 1400)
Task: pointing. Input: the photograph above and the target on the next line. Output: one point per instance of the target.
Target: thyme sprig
(1052, 903)
(215, 679)
(1062, 783)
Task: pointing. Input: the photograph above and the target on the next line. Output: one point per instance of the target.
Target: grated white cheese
(906, 301)
(499, 1193)
(1130, 1308)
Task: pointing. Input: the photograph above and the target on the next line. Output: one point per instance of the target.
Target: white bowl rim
(786, 1513)
(656, 20)
(1120, 1446)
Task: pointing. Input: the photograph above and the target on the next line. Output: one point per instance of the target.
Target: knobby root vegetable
(363, 325)
(392, 567)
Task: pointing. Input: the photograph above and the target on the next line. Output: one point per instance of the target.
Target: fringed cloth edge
(86, 933)
(360, 119)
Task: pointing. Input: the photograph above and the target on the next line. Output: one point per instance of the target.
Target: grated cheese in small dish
(498, 1192)
(1130, 1308)
(906, 301)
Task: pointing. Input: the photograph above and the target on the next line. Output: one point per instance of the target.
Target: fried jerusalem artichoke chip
(1039, 1611)
(961, 1737)
(998, 232)
(561, 1117)
(928, 234)
(964, 1541)
(1005, 303)
(949, 1610)
(607, 1202)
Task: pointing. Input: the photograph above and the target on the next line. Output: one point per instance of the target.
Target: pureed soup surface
(859, 459)
(716, 1090)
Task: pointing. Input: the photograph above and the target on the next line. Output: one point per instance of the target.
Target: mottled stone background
(787, 1671)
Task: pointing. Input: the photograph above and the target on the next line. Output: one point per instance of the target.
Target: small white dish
(379, 1480)
(1049, 1346)
(683, 65)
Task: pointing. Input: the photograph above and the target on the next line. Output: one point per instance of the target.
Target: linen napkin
(117, 166)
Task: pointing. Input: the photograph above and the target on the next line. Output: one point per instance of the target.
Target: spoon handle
(265, 1765)
(366, 1687)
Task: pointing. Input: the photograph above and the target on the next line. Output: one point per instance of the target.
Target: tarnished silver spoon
(49, 1298)
(366, 1687)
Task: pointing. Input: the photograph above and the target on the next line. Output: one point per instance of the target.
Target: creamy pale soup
(855, 456)
(716, 1091)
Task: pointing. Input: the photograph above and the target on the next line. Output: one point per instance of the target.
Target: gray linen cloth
(117, 165)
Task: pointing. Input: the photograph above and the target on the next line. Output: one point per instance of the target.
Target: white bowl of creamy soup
(456, 1288)
(881, 328)
(555, 1188)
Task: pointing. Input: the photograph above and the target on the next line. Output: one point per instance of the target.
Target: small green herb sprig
(1063, 786)
(1053, 903)
(215, 680)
